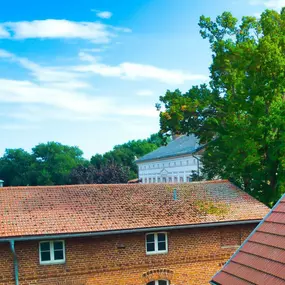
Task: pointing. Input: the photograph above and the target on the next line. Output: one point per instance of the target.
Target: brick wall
(194, 255)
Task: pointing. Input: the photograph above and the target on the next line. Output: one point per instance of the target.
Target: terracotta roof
(261, 258)
(29, 211)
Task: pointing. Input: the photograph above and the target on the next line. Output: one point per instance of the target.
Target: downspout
(16, 265)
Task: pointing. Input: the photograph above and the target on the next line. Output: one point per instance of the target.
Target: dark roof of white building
(180, 146)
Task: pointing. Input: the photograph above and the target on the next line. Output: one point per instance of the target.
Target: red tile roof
(46, 210)
(261, 259)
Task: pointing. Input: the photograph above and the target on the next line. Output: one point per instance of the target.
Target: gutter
(128, 231)
(16, 264)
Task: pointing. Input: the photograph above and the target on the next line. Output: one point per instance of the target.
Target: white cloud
(140, 112)
(63, 29)
(92, 50)
(145, 92)
(271, 4)
(27, 92)
(135, 71)
(103, 14)
(88, 57)
(4, 33)
(57, 93)
(17, 127)
(257, 15)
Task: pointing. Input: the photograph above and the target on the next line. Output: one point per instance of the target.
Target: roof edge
(246, 240)
(140, 160)
(127, 231)
(103, 185)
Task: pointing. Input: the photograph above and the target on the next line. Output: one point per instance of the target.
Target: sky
(88, 73)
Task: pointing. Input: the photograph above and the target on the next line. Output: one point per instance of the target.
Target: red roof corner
(261, 258)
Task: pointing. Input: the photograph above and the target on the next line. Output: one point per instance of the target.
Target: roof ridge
(113, 184)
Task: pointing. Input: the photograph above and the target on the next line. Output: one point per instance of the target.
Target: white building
(173, 163)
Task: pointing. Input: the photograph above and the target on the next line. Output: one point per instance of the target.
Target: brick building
(153, 234)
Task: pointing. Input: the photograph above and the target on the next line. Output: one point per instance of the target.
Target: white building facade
(173, 163)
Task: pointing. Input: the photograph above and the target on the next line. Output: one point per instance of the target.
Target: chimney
(1, 183)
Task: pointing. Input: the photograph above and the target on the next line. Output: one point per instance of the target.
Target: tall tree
(15, 167)
(55, 161)
(240, 115)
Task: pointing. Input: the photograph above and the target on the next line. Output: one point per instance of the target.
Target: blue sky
(88, 73)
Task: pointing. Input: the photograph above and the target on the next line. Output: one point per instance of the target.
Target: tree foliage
(126, 154)
(241, 113)
(15, 167)
(53, 163)
(107, 174)
(48, 164)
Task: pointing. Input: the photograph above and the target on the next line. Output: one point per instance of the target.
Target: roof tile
(94, 208)
(261, 259)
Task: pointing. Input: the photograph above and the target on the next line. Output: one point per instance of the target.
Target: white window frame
(156, 251)
(51, 246)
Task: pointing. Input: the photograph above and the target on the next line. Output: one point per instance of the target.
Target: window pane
(162, 245)
(45, 256)
(162, 282)
(150, 238)
(45, 246)
(150, 247)
(58, 245)
(58, 255)
(151, 283)
(161, 237)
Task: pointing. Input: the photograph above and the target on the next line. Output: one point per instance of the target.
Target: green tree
(15, 167)
(108, 174)
(125, 154)
(241, 114)
(54, 162)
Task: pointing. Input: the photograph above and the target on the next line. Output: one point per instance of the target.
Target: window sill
(156, 252)
(52, 262)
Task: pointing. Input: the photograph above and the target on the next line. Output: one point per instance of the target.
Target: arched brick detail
(157, 274)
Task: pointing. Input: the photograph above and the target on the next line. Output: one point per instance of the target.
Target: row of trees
(55, 164)
(240, 115)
